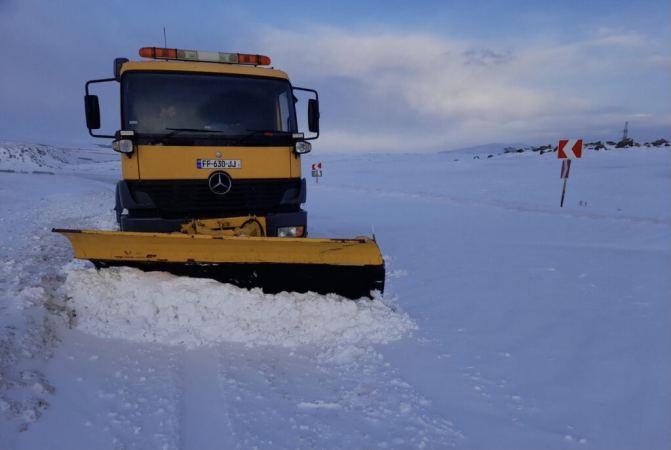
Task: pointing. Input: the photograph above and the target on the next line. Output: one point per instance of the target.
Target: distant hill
(483, 149)
(21, 157)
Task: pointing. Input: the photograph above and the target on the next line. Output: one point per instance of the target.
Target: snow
(318, 405)
(47, 159)
(507, 322)
(125, 303)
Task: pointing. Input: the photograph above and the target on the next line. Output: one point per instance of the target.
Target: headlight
(290, 231)
(303, 147)
(123, 146)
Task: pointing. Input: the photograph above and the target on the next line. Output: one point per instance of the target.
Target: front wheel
(118, 209)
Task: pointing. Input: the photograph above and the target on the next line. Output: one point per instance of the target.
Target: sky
(393, 76)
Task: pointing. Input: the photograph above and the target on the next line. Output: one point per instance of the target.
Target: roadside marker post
(565, 170)
(317, 171)
(567, 149)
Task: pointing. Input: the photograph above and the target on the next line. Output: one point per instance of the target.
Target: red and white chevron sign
(569, 148)
(317, 166)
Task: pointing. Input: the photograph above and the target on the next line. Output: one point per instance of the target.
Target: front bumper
(161, 225)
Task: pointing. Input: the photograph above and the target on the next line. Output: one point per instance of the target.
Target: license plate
(218, 163)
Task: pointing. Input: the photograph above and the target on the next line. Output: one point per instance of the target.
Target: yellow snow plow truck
(211, 163)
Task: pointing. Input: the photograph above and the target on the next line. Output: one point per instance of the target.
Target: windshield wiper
(234, 138)
(269, 132)
(174, 131)
(263, 133)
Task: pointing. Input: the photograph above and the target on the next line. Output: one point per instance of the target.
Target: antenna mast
(165, 40)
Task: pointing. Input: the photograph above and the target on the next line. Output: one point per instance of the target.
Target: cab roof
(202, 67)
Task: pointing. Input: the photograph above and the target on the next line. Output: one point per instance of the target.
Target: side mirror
(92, 110)
(313, 115)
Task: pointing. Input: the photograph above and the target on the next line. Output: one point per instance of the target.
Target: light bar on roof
(199, 55)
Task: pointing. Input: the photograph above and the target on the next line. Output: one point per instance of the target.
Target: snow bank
(130, 304)
(39, 158)
(15, 156)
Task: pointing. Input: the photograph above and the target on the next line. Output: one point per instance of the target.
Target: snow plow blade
(353, 268)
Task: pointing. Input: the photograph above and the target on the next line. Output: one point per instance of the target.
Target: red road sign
(317, 166)
(569, 148)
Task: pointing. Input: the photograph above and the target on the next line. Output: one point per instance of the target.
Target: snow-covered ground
(507, 323)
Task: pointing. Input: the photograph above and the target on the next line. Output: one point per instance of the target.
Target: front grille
(194, 198)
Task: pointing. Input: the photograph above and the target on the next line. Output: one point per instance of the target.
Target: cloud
(617, 38)
(431, 76)
(459, 91)
(663, 61)
(486, 57)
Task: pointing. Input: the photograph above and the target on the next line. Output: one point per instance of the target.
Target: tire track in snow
(30, 318)
(204, 411)
(346, 397)
(139, 401)
(34, 311)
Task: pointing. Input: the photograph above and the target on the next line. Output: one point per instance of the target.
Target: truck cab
(209, 142)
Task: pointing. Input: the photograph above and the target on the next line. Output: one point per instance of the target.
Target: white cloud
(432, 76)
(617, 38)
(474, 91)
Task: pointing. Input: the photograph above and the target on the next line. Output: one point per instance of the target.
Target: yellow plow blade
(349, 267)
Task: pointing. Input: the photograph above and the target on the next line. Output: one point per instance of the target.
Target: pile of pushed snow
(159, 307)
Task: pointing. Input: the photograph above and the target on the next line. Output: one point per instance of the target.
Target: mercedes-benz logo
(220, 183)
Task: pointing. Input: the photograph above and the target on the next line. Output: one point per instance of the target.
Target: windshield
(165, 103)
